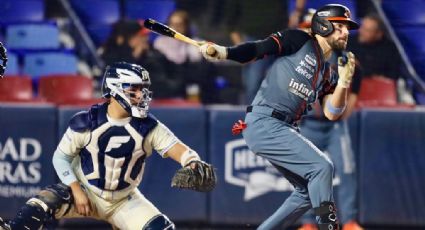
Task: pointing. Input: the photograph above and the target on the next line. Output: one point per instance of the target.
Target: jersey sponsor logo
(245, 169)
(300, 89)
(116, 142)
(310, 60)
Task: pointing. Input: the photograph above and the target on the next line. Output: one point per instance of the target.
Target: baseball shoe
(352, 225)
(308, 226)
(3, 225)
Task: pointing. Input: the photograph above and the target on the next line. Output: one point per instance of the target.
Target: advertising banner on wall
(27, 142)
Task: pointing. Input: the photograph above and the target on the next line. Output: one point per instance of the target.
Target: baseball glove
(196, 175)
(3, 58)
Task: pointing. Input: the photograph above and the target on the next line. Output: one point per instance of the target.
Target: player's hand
(213, 52)
(81, 201)
(346, 70)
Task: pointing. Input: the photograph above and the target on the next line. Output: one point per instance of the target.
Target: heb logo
(245, 169)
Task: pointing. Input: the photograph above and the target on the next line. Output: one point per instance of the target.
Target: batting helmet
(321, 23)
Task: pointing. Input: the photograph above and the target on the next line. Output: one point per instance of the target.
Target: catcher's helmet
(321, 23)
(121, 80)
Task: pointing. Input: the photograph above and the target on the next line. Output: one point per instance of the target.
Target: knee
(325, 168)
(159, 222)
(42, 207)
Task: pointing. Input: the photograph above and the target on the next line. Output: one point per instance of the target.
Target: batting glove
(346, 70)
(213, 52)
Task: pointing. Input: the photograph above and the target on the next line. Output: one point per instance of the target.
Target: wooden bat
(165, 30)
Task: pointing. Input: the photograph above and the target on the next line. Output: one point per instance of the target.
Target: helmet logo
(347, 14)
(145, 76)
(323, 13)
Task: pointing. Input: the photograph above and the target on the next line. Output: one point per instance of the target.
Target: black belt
(278, 115)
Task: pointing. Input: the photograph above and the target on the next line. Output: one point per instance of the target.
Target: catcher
(100, 161)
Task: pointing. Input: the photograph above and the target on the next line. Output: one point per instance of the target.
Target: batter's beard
(338, 45)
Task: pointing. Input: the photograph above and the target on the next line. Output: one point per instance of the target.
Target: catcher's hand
(196, 175)
(3, 58)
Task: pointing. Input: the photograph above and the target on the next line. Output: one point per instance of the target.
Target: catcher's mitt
(196, 175)
(3, 58)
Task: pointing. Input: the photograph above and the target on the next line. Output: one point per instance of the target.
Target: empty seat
(21, 10)
(411, 38)
(99, 33)
(16, 89)
(67, 90)
(377, 92)
(405, 12)
(50, 62)
(95, 12)
(43, 35)
(12, 64)
(156, 9)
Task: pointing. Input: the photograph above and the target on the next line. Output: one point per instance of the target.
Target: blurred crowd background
(58, 49)
(76, 38)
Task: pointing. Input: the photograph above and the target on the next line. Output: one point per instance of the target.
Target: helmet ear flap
(321, 26)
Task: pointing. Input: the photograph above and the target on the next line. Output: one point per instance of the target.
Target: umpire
(300, 76)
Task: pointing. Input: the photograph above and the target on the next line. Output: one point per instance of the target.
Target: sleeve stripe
(168, 147)
(278, 43)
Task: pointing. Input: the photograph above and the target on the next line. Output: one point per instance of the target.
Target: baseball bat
(165, 30)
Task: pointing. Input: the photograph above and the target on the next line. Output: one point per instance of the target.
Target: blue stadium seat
(49, 62)
(405, 12)
(21, 10)
(12, 64)
(156, 9)
(95, 12)
(351, 4)
(44, 35)
(99, 33)
(412, 39)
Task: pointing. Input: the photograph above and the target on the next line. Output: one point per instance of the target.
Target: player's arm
(334, 104)
(168, 145)
(352, 95)
(280, 44)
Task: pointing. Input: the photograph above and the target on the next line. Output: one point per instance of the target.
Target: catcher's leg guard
(159, 222)
(4, 225)
(54, 199)
(326, 214)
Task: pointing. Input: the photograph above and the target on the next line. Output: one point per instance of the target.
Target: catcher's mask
(129, 85)
(321, 23)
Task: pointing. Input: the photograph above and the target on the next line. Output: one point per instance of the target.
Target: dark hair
(126, 28)
(375, 17)
(185, 17)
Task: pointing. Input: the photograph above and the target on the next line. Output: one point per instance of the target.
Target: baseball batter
(100, 160)
(300, 76)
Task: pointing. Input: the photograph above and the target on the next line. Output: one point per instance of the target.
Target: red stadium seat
(16, 89)
(67, 90)
(379, 92)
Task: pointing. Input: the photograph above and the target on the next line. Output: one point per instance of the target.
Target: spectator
(129, 42)
(198, 78)
(177, 51)
(372, 48)
(119, 45)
